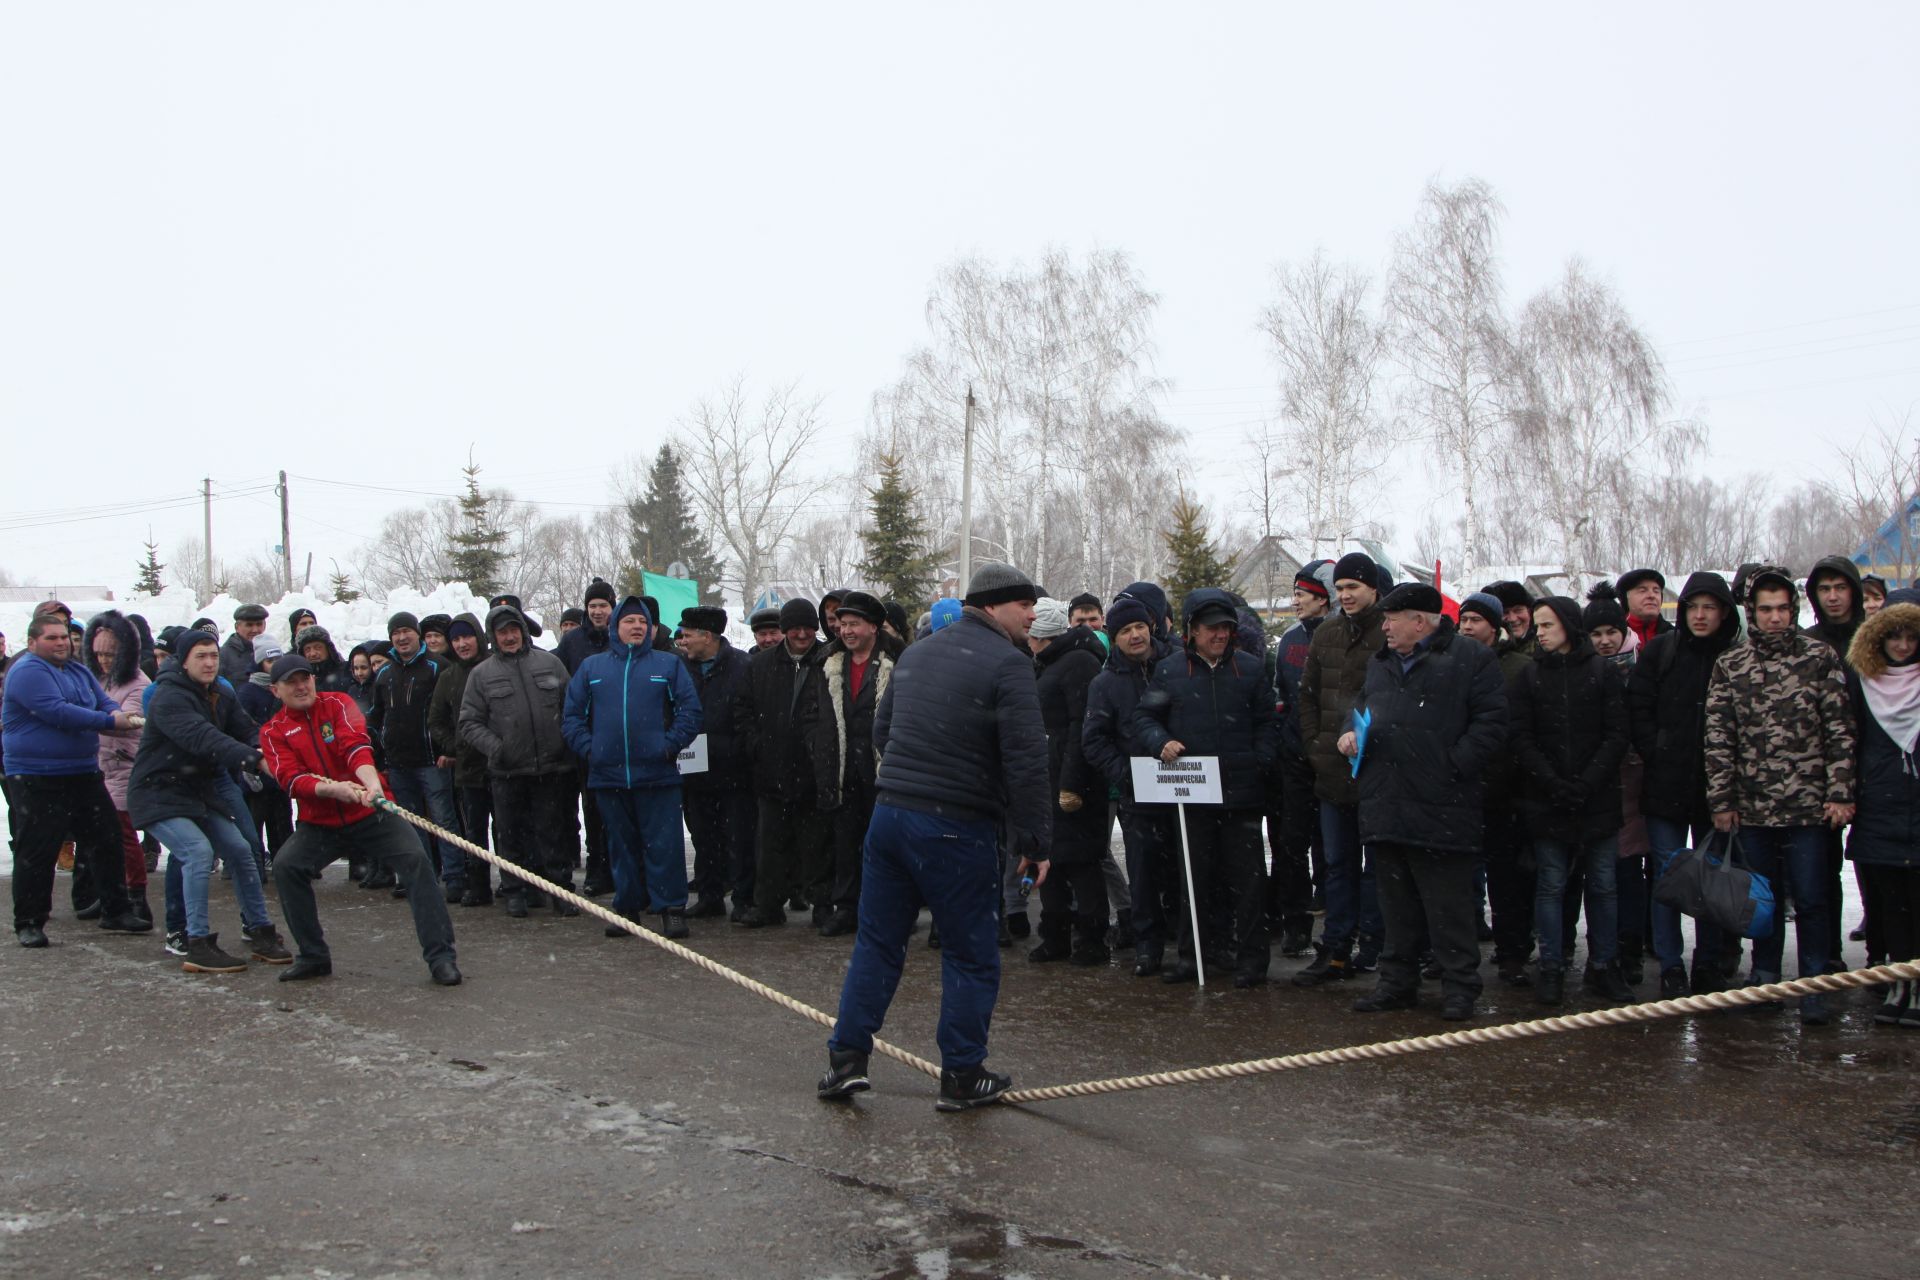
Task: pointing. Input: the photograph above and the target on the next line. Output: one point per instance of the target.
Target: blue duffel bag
(1723, 891)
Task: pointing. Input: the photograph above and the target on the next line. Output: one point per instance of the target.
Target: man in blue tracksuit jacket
(630, 712)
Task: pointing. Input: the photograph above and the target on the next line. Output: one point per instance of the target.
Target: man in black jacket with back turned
(1436, 710)
(718, 804)
(1210, 699)
(793, 833)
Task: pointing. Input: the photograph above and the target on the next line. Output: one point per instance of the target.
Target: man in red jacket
(317, 749)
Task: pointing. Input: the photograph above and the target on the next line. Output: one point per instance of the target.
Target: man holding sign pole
(1210, 699)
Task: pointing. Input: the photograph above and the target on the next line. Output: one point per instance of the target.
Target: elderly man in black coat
(718, 803)
(1434, 710)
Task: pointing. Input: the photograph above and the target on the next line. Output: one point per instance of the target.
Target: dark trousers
(271, 811)
(1224, 847)
(54, 809)
(1836, 930)
(1073, 904)
(850, 822)
(1352, 900)
(596, 827)
(1510, 885)
(1153, 875)
(721, 822)
(1796, 857)
(476, 812)
(1428, 897)
(427, 791)
(387, 841)
(1293, 831)
(795, 856)
(529, 827)
(1893, 899)
(952, 868)
(647, 852)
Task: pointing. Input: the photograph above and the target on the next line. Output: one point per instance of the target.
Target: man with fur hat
(795, 835)
(510, 713)
(1780, 767)
(838, 721)
(719, 804)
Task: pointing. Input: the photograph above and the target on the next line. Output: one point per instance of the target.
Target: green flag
(672, 594)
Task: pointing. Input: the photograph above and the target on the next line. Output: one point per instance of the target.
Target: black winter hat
(1385, 579)
(1357, 566)
(576, 616)
(1603, 609)
(436, 622)
(799, 615)
(704, 617)
(763, 618)
(1125, 612)
(250, 613)
(1085, 600)
(1486, 605)
(1706, 583)
(168, 637)
(1510, 594)
(188, 641)
(1151, 595)
(862, 605)
(996, 583)
(598, 589)
(897, 618)
(402, 621)
(1411, 597)
(199, 624)
(1634, 577)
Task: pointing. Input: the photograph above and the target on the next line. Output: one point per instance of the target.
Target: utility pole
(966, 500)
(206, 492)
(286, 537)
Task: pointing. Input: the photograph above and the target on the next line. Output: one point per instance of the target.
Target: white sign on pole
(1187, 780)
(694, 758)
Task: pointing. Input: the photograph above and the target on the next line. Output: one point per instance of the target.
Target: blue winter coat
(630, 712)
(1107, 738)
(53, 716)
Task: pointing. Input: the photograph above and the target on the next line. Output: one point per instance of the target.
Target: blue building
(1893, 552)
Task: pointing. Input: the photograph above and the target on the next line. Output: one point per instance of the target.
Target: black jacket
(1224, 710)
(721, 687)
(960, 736)
(838, 726)
(236, 660)
(582, 643)
(1066, 669)
(1435, 728)
(1107, 739)
(402, 696)
(1838, 635)
(1667, 708)
(1569, 724)
(443, 715)
(769, 715)
(1336, 670)
(194, 735)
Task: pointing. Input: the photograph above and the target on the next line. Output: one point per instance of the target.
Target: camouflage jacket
(1780, 734)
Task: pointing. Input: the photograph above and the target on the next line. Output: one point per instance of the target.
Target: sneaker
(1366, 957)
(846, 1076)
(1673, 983)
(265, 945)
(1326, 967)
(205, 956)
(974, 1087)
(177, 943)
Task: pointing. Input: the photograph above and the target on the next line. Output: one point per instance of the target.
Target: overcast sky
(352, 239)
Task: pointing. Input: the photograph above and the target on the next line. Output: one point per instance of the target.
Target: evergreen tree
(149, 583)
(1192, 559)
(343, 588)
(663, 530)
(479, 555)
(896, 542)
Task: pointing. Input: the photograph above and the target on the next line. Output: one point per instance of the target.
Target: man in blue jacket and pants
(630, 712)
(53, 715)
(963, 765)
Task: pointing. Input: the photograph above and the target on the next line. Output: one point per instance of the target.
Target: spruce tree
(1192, 559)
(343, 588)
(896, 542)
(663, 530)
(479, 555)
(149, 583)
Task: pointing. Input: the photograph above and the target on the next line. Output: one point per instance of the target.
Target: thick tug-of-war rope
(593, 908)
(1652, 1011)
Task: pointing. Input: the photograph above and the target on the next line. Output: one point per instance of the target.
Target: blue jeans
(1668, 838)
(428, 791)
(234, 800)
(175, 896)
(194, 842)
(644, 831)
(1553, 861)
(1350, 897)
(913, 859)
(1801, 853)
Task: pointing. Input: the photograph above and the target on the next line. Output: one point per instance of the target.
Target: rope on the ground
(638, 930)
(1621, 1016)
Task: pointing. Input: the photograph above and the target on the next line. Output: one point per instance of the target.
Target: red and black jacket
(326, 742)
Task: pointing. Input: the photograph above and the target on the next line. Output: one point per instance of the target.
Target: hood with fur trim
(1867, 655)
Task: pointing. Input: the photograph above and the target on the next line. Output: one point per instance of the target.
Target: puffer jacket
(960, 736)
(125, 684)
(1223, 710)
(631, 711)
(1335, 672)
(1667, 707)
(1569, 723)
(1886, 825)
(1780, 733)
(1434, 729)
(510, 710)
(443, 713)
(195, 734)
(1107, 739)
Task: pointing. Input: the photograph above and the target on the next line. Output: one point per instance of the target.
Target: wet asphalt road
(583, 1105)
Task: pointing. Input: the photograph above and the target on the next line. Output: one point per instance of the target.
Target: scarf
(1643, 628)
(1894, 699)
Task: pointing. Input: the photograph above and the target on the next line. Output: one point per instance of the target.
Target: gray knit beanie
(1049, 619)
(996, 583)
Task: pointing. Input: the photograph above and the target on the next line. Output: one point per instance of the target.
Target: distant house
(1893, 552)
(1275, 559)
(60, 591)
